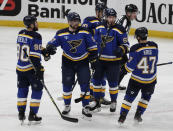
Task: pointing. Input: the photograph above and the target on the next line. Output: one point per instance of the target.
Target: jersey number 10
(144, 65)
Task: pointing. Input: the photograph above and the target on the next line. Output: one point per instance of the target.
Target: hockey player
(112, 45)
(142, 64)
(91, 23)
(30, 41)
(78, 49)
(131, 14)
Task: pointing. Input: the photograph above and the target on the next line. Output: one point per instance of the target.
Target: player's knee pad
(131, 92)
(146, 96)
(37, 86)
(69, 81)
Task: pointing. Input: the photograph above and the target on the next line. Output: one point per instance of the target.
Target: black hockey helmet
(110, 12)
(131, 8)
(100, 7)
(73, 16)
(141, 32)
(28, 20)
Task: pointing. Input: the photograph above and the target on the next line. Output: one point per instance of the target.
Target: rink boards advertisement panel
(156, 15)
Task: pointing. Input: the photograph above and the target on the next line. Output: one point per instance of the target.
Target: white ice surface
(158, 117)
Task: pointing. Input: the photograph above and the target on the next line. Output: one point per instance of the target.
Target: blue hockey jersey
(91, 23)
(77, 45)
(142, 62)
(31, 42)
(111, 38)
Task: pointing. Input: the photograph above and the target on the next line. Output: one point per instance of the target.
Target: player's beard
(75, 26)
(35, 28)
(111, 23)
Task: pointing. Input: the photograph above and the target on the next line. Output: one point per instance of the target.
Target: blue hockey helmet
(73, 16)
(141, 32)
(100, 7)
(110, 12)
(28, 20)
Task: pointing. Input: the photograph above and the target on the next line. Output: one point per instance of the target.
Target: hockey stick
(168, 63)
(61, 97)
(77, 100)
(50, 96)
(102, 48)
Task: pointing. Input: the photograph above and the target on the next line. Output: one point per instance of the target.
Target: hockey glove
(46, 54)
(94, 63)
(39, 73)
(51, 49)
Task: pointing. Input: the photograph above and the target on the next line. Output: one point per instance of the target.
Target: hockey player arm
(92, 49)
(35, 57)
(123, 47)
(51, 48)
(132, 62)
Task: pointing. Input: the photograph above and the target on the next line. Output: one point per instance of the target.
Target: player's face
(99, 14)
(74, 24)
(132, 15)
(111, 20)
(36, 26)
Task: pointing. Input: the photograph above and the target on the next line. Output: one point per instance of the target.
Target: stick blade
(78, 100)
(70, 119)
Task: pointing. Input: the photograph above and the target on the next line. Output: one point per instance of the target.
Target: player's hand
(39, 73)
(51, 49)
(119, 52)
(94, 63)
(46, 54)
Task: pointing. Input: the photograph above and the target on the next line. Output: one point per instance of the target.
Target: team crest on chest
(74, 44)
(107, 39)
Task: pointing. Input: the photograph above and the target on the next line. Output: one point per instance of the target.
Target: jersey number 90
(20, 53)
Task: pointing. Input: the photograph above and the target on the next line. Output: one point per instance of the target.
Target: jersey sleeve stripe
(27, 36)
(143, 48)
(94, 21)
(128, 69)
(62, 34)
(86, 32)
(99, 27)
(115, 29)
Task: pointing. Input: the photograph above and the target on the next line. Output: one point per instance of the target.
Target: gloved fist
(39, 73)
(51, 49)
(46, 54)
(94, 63)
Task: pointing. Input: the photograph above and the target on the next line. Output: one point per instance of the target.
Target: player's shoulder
(83, 30)
(139, 46)
(62, 31)
(30, 34)
(91, 18)
(119, 28)
(153, 44)
(101, 25)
